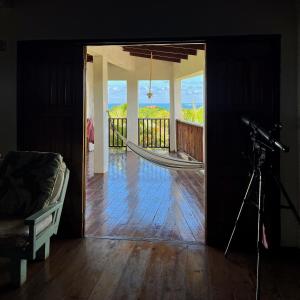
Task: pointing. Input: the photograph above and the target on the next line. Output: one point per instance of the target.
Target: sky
(191, 91)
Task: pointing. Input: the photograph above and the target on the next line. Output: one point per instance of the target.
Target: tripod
(259, 172)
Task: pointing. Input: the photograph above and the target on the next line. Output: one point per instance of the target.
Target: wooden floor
(138, 199)
(121, 268)
(94, 268)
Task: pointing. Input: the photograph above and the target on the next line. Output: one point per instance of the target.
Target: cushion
(29, 181)
(59, 181)
(14, 233)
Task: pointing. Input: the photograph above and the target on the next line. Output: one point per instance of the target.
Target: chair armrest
(42, 214)
(38, 239)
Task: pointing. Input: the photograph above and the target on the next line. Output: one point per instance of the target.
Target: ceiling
(171, 52)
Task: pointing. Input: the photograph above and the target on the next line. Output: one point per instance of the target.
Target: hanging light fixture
(150, 94)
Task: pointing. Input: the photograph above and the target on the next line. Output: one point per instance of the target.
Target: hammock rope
(159, 159)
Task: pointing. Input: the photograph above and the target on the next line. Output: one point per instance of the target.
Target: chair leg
(44, 251)
(18, 271)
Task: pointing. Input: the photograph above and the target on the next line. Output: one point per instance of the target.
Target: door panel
(242, 80)
(50, 114)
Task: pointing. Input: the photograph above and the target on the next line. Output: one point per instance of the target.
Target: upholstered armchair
(32, 191)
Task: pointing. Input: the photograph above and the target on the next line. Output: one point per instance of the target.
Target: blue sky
(160, 90)
(117, 91)
(191, 91)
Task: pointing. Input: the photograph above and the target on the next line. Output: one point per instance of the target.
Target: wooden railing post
(189, 137)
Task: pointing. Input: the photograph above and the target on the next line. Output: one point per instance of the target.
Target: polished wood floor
(140, 200)
(94, 268)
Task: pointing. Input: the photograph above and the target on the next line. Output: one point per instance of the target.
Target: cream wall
(32, 19)
(100, 71)
(194, 65)
(161, 70)
(114, 55)
(90, 90)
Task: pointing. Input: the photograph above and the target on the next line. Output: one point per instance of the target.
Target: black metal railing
(154, 132)
(119, 124)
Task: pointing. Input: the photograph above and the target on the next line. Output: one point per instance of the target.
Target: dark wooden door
(242, 80)
(50, 114)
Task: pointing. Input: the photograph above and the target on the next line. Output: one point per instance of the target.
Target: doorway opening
(127, 196)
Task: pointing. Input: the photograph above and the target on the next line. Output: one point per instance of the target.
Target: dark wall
(126, 20)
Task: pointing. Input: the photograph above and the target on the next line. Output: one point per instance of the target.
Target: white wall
(32, 19)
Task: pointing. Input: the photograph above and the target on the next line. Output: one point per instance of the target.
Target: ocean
(166, 106)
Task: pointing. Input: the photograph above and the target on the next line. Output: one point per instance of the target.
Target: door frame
(150, 42)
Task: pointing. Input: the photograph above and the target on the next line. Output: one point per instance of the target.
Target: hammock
(158, 159)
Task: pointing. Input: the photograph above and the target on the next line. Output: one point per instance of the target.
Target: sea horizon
(162, 105)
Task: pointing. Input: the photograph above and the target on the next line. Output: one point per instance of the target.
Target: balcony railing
(152, 132)
(119, 124)
(189, 137)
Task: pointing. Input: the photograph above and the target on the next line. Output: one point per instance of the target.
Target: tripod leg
(285, 194)
(259, 235)
(240, 211)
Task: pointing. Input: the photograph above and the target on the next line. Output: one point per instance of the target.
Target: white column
(90, 90)
(132, 108)
(175, 110)
(100, 115)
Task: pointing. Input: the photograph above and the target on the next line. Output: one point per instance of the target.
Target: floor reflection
(137, 199)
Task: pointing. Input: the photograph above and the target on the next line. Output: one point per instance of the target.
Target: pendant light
(150, 94)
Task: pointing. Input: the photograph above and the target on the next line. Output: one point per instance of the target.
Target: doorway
(127, 196)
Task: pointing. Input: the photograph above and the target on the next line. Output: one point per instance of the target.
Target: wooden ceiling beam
(166, 49)
(154, 52)
(170, 52)
(157, 57)
(190, 46)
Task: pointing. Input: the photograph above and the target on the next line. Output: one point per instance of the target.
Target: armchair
(32, 191)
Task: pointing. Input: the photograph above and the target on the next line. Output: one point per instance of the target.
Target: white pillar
(100, 115)
(132, 108)
(175, 110)
(90, 90)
